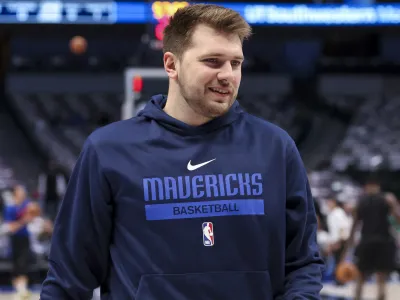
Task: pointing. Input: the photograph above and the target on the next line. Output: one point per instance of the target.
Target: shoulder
(113, 141)
(272, 132)
(115, 135)
(116, 132)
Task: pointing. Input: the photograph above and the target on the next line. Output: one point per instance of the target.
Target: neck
(179, 109)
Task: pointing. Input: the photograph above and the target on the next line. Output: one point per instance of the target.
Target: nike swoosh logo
(191, 167)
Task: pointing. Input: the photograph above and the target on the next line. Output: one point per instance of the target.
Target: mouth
(219, 91)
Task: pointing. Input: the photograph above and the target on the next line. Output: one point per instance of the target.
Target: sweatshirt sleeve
(304, 265)
(78, 260)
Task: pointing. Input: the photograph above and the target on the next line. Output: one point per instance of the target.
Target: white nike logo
(191, 167)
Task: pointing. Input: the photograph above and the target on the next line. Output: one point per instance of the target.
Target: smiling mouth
(219, 91)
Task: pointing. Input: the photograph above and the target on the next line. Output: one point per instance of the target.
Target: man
(16, 218)
(144, 189)
(376, 250)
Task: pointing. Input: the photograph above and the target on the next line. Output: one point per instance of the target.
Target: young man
(144, 191)
(376, 250)
(16, 218)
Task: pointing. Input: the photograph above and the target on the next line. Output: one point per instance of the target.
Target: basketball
(78, 45)
(346, 271)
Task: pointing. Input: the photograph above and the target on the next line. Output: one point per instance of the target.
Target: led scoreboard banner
(115, 12)
(58, 12)
(162, 11)
(87, 12)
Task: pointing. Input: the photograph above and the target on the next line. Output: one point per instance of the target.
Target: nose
(225, 74)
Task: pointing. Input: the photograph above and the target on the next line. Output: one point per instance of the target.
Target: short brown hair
(179, 31)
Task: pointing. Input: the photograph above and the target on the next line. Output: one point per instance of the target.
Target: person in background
(16, 218)
(52, 186)
(376, 250)
(339, 225)
(40, 230)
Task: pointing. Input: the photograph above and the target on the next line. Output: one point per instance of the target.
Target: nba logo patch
(208, 234)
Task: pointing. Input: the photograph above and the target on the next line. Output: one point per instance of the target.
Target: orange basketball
(78, 45)
(346, 271)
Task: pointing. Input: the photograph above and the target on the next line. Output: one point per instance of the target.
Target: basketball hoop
(137, 84)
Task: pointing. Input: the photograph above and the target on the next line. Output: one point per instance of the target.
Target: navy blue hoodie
(160, 210)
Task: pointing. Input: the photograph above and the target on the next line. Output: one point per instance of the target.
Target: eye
(236, 63)
(211, 60)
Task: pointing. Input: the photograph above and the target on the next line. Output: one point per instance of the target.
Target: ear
(170, 65)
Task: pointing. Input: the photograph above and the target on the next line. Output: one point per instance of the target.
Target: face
(20, 193)
(372, 188)
(348, 208)
(331, 204)
(209, 72)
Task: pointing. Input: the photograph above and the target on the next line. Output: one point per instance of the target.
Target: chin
(217, 109)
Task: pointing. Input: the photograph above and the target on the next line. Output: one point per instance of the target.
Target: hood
(154, 110)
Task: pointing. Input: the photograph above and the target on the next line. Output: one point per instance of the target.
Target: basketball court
(9, 296)
(329, 291)
(370, 291)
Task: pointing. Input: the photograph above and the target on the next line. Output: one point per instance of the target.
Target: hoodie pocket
(237, 285)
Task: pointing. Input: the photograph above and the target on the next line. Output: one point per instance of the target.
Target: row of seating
(61, 122)
(65, 120)
(372, 139)
(18, 160)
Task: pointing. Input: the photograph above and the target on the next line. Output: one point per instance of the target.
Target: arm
(79, 253)
(339, 228)
(10, 224)
(350, 242)
(394, 206)
(13, 227)
(333, 231)
(304, 265)
(333, 228)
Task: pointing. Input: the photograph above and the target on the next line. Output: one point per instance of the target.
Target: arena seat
(372, 140)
